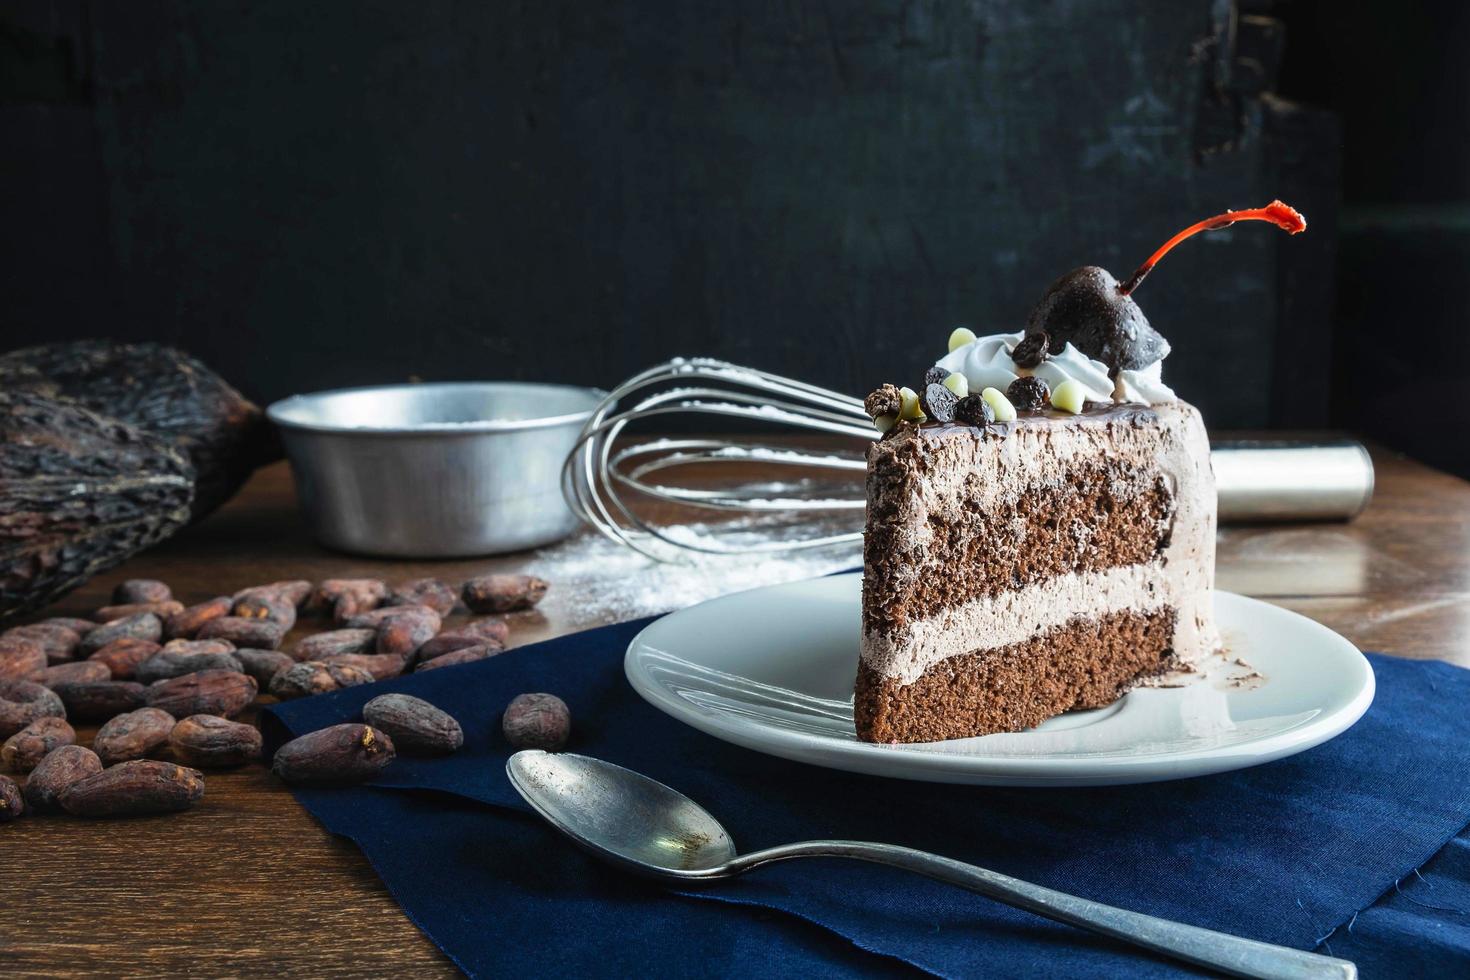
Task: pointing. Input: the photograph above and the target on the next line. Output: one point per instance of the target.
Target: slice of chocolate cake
(1043, 544)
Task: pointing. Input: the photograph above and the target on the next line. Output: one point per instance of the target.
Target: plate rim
(900, 761)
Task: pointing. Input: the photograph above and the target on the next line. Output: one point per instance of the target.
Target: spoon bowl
(621, 815)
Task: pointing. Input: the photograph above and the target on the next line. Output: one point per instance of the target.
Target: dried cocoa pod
(132, 735)
(12, 802)
(503, 593)
(212, 742)
(184, 625)
(22, 660)
(162, 610)
(263, 665)
(24, 750)
(334, 642)
(60, 768)
(294, 591)
(82, 626)
(205, 692)
(78, 671)
(403, 635)
(314, 677)
(537, 721)
(267, 606)
(336, 756)
(375, 618)
(166, 664)
(191, 647)
(463, 655)
(99, 700)
(58, 642)
(135, 788)
(415, 725)
(481, 631)
(381, 665)
(258, 634)
(141, 590)
(123, 656)
(143, 626)
(431, 592)
(22, 702)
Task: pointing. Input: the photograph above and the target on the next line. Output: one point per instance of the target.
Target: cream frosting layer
(964, 470)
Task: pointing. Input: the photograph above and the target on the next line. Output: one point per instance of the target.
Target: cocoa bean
(267, 606)
(99, 700)
(374, 619)
(59, 642)
(22, 660)
(123, 656)
(294, 591)
(503, 593)
(143, 626)
(334, 642)
(75, 672)
(22, 702)
(403, 635)
(263, 665)
(56, 772)
(141, 590)
(211, 742)
(81, 626)
(192, 647)
(431, 592)
(258, 634)
(132, 735)
(205, 692)
(163, 610)
(186, 624)
(314, 677)
(381, 665)
(336, 756)
(415, 725)
(24, 750)
(480, 631)
(12, 802)
(166, 664)
(347, 597)
(135, 788)
(464, 655)
(537, 721)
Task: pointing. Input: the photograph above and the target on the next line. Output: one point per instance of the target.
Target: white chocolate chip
(958, 384)
(1069, 396)
(961, 337)
(909, 408)
(885, 422)
(999, 404)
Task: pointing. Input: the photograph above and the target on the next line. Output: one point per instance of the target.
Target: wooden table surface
(247, 883)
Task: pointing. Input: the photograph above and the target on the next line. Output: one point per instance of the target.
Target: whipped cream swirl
(986, 363)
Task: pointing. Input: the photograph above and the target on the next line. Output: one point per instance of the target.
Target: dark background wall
(343, 193)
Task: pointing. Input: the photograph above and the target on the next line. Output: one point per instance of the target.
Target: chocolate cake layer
(1087, 663)
(1099, 516)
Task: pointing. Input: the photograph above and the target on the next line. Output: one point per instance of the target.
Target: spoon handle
(1229, 954)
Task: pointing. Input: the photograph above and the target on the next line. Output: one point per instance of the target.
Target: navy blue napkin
(1327, 848)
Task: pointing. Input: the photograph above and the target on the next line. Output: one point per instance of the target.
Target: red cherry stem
(1283, 216)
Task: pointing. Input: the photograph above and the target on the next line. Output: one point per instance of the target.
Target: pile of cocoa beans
(162, 678)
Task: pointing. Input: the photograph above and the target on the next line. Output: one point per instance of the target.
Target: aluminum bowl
(434, 470)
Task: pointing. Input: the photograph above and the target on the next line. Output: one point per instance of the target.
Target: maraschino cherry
(1098, 315)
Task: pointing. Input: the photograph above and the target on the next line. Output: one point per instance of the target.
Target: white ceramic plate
(772, 669)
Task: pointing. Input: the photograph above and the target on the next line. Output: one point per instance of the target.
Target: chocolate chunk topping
(935, 375)
(939, 403)
(885, 400)
(1028, 393)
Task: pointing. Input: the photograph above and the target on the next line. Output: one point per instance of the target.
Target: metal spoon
(644, 826)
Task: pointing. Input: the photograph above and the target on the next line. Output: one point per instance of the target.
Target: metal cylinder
(1291, 480)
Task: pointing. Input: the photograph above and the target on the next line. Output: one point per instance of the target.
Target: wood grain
(247, 883)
